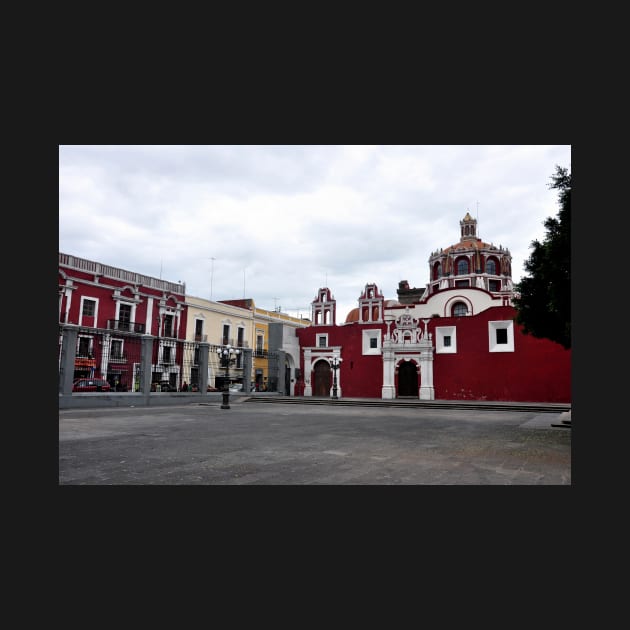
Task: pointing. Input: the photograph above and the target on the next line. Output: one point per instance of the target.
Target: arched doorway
(408, 379)
(322, 379)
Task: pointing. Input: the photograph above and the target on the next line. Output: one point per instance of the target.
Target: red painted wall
(539, 370)
(360, 376)
(106, 303)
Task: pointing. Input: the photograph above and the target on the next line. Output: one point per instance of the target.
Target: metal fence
(130, 362)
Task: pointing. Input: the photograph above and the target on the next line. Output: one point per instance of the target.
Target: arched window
(462, 267)
(459, 309)
(491, 268)
(437, 271)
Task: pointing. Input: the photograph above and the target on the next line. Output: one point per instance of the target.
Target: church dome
(353, 316)
(471, 263)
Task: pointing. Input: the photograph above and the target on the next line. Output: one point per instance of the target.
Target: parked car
(91, 385)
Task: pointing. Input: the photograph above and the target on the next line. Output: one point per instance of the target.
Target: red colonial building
(455, 339)
(122, 306)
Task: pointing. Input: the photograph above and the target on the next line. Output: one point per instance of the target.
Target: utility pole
(211, 274)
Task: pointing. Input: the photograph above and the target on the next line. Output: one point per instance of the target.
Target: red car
(91, 385)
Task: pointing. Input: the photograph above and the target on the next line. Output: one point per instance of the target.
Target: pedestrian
(184, 386)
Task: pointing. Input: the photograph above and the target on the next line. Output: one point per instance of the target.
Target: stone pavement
(259, 443)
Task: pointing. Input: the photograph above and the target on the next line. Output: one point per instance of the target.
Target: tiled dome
(353, 316)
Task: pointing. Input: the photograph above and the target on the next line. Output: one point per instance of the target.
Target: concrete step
(564, 424)
(413, 402)
(565, 421)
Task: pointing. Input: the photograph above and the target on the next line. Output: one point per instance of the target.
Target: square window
(370, 341)
(501, 336)
(89, 308)
(446, 340)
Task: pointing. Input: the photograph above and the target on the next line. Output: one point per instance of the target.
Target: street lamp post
(335, 364)
(227, 355)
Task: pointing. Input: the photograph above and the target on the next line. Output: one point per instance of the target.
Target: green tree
(544, 305)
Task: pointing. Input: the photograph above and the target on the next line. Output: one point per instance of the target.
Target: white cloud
(282, 221)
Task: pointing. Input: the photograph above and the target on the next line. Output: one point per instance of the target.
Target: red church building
(455, 339)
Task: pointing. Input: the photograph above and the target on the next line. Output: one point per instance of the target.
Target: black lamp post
(335, 365)
(227, 354)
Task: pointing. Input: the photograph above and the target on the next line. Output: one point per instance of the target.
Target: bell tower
(468, 227)
(371, 305)
(324, 308)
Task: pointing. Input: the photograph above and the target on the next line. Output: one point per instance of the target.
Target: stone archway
(408, 379)
(322, 378)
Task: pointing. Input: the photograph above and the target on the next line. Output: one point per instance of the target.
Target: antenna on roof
(211, 273)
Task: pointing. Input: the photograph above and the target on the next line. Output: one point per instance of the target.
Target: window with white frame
(459, 309)
(445, 339)
(124, 316)
(501, 336)
(89, 307)
(116, 350)
(371, 341)
(322, 341)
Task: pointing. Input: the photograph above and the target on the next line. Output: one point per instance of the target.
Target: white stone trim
(366, 335)
(440, 333)
(493, 346)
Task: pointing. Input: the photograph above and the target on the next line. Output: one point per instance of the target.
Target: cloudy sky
(276, 223)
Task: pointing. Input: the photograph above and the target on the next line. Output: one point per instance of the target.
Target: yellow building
(219, 324)
(261, 318)
(240, 324)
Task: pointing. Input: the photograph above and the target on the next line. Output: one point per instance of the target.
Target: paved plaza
(295, 444)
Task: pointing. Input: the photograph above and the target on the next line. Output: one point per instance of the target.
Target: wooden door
(322, 379)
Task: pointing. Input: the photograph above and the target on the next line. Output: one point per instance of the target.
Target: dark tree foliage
(544, 305)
